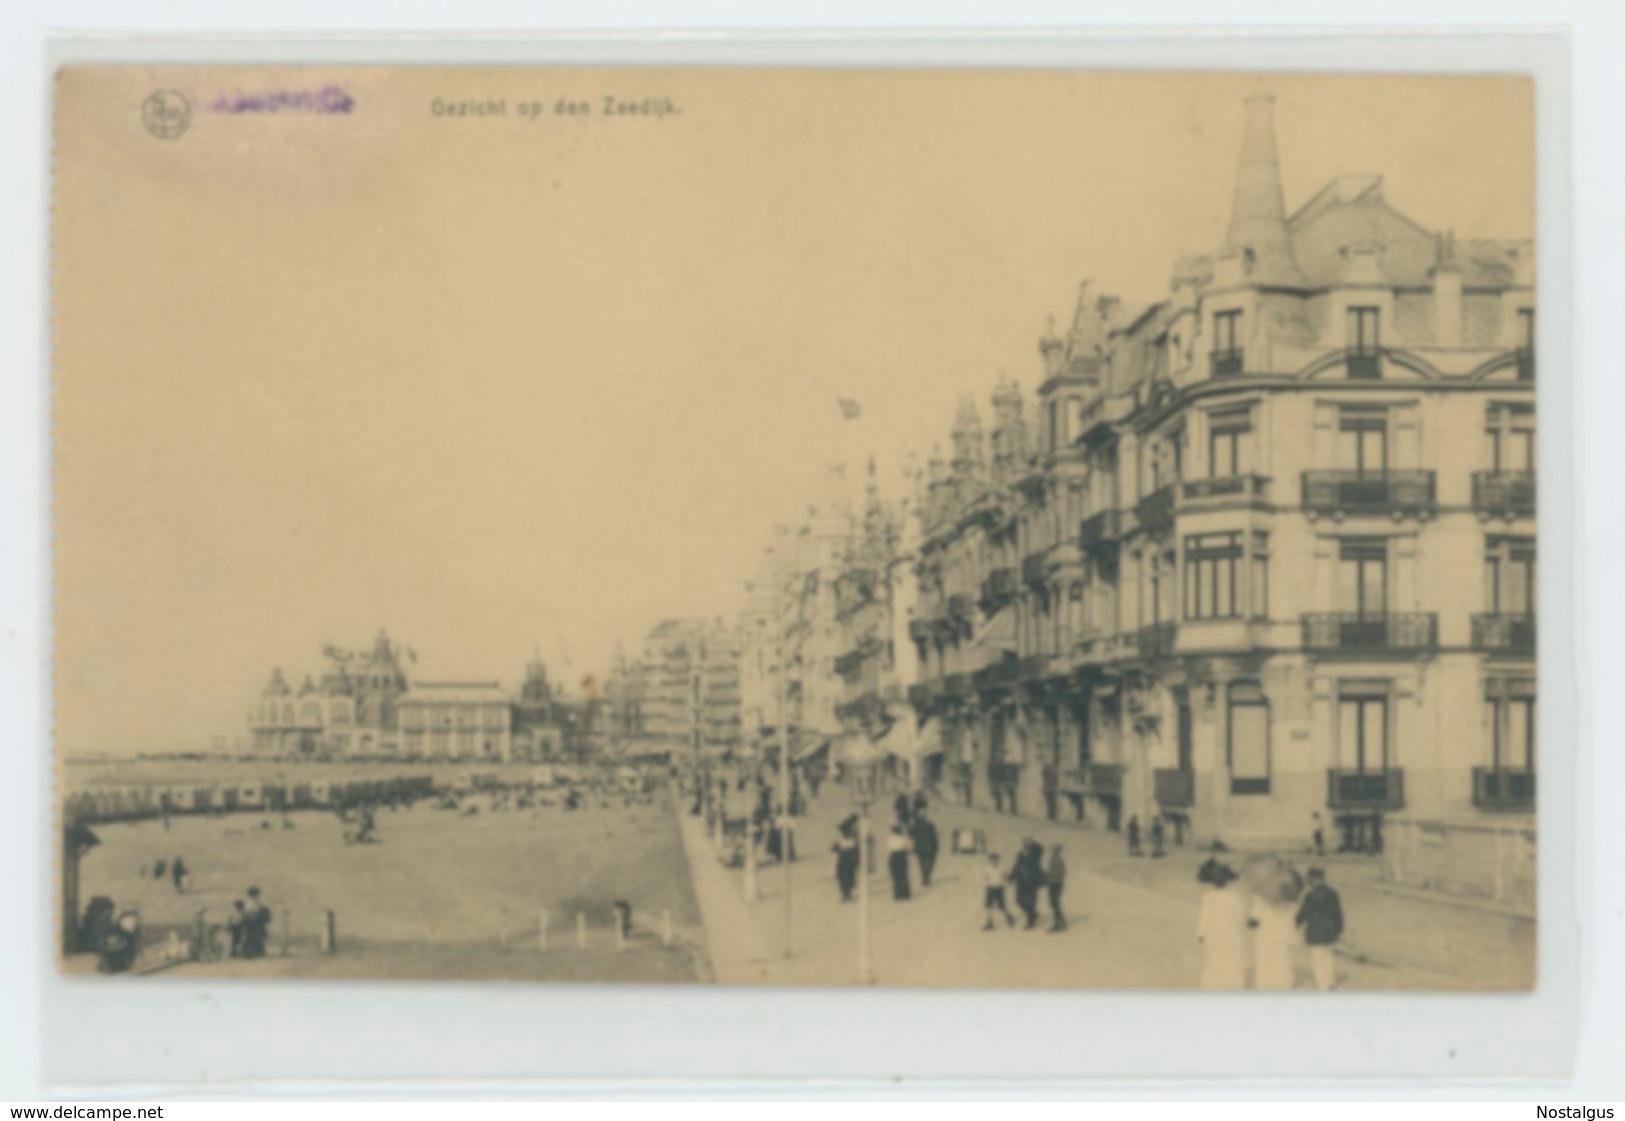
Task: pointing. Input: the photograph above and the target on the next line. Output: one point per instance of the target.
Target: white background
(501, 1039)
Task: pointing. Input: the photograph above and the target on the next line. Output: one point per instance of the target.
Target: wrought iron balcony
(962, 607)
(848, 664)
(1365, 365)
(1369, 492)
(999, 588)
(1100, 530)
(1351, 632)
(1503, 791)
(1504, 634)
(1226, 363)
(1365, 790)
(1105, 778)
(1034, 667)
(1155, 512)
(1034, 567)
(998, 674)
(1175, 788)
(1230, 488)
(957, 685)
(1506, 493)
(923, 695)
(1157, 640)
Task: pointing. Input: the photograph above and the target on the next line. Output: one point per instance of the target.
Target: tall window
(1211, 561)
(1227, 332)
(1509, 575)
(1363, 331)
(1362, 439)
(1526, 344)
(1260, 606)
(1363, 575)
(1248, 736)
(1510, 430)
(1510, 704)
(1229, 443)
(1073, 422)
(1362, 727)
(1365, 345)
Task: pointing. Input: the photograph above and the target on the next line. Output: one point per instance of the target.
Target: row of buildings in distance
(1258, 557)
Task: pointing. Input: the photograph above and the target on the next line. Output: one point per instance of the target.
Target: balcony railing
(1504, 634)
(1503, 791)
(1365, 365)
(1175, 788)
(1157, 640)
(922, 695)
(1155, 512)
(1034, 667)
(1034, 567)
(1095, 778)
(1504, 492)
(1226, 489)
(1100, 530)
(1353, 632)
(962, 607)
(1369, 492)
(999, 673)
(957, 685)
(1365, 790)
(999, 588)
(1226, 363)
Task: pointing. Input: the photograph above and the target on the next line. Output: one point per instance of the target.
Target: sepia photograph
(999, 529)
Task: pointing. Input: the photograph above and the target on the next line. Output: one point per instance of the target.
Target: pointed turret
(1258, 212)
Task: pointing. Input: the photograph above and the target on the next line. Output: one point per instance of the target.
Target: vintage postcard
(845, 527)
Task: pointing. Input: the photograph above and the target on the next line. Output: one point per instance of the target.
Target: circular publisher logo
(166, 114)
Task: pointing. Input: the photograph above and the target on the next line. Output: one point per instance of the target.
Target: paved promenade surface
(1133, 919)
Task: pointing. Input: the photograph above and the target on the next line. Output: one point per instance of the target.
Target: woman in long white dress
(1274, 934)
(1222, 932)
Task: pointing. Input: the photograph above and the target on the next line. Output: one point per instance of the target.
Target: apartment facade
(1269, 551)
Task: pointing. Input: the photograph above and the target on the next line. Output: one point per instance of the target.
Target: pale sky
(501, 385)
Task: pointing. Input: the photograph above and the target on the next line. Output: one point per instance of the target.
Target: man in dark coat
(257, 930)
(924, 833)
(846, 858)
(1028, 876)
(1320, 915)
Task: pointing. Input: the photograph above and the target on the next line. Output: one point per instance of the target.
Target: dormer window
(1227, 350)
(1365, 344)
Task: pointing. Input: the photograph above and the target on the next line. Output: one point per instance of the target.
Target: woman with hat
(1222, 929)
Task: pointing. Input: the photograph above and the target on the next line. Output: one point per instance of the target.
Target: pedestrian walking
(1134, 836)
(1274, 907)
(1156, 837)
(1320, 916)
(897, 850)
(257, 929)
(1028, 876)
(1317, 834)
(1222, 931)
(924, 833)
(993, 892)
(179, 874)
(902, 806)
(1055, 882)
(237, 926)
(846, 858)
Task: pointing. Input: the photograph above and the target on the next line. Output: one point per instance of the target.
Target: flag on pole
(850, 409)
